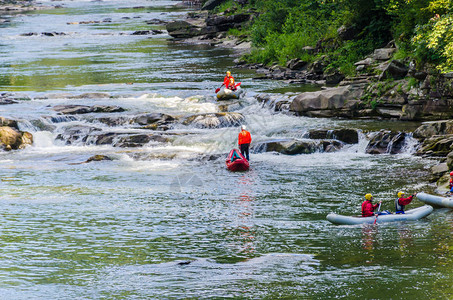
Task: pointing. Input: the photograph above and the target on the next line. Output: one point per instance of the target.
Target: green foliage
(434, 42)
(423, 30)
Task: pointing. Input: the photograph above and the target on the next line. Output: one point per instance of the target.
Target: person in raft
(244, 140)
(231, 85)
(227, 79)
(401, 202)
(368, 207)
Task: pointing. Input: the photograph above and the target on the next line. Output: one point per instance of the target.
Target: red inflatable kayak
(236, 162)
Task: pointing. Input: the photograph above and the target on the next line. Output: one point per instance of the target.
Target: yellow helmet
(228, 73)
(400, 194)
(368, 196)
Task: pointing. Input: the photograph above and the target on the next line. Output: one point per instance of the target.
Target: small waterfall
(62, 119)
(410, 144)
(25, 125)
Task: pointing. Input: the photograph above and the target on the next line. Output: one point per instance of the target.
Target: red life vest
(244, 137)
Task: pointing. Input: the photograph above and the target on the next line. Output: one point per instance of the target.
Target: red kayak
(236, 162)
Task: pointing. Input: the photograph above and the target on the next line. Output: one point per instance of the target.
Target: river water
(161, 221)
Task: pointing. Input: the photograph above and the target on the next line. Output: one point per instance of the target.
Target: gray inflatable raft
(226, 94)
(435, 200)
(410, 215)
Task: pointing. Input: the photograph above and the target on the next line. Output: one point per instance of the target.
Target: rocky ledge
(11, 138)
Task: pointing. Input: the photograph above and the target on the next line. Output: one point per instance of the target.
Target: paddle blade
(217, 90)
(238, 84)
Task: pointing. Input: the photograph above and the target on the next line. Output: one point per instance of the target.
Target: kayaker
(228, 77)
(368, 207)
(401, 202)
(231, 85)
(244, 140)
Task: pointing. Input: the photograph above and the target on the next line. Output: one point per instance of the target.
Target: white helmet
(243, 127)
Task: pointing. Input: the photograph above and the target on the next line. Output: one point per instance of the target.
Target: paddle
(377, 214)
(218, 89)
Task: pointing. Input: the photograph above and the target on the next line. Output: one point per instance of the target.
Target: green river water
(160, 221)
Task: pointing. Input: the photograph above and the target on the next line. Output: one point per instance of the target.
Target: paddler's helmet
(228, 73)
(368, 197)
(400, 194)
(231, 80)
(243, 127)
(451, 173)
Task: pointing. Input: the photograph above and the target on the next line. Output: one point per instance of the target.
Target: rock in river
(12, 138)
(215, 120)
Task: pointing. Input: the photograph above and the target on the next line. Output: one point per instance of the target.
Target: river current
(162, 220)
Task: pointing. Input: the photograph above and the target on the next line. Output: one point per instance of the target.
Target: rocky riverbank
(382, 88)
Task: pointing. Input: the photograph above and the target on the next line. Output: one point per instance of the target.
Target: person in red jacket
(368, 207)
(226, 80)
(401, 202)
(244, 140)
(231, 85)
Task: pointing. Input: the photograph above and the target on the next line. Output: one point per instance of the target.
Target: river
(161, 221)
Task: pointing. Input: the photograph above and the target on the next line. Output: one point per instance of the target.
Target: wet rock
(83, 109)
(91, 96)
(8, 123)
(439, 170)
(156, 22)
(54, 33)
(215, 120)
(13, 139)
(147, 32)
(437, 146)
(345, 135)
(77, 134)
(139, 140)
(450, 160)
(182, 29)
(396, 70)
(286, 146)
(98, 157)
(386, 142)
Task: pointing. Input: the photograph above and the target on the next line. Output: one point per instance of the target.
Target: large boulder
(223, 23)
(438, 146)
(383, 53)
(395, 69)
(296, 146)
(286, 146)
(386, 142)
(182, 29)
(429, 129)
(13, 139)
(215, 120)
(8, 122)
(345, 135)
(152, 118)
(332, 101)
(211, 4)
(84, 109)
